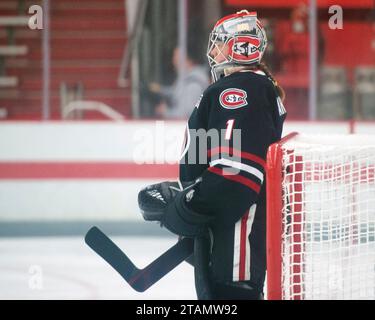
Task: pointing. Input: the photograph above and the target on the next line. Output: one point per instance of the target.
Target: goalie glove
(167, 202)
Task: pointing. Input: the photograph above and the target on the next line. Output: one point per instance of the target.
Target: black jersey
(242, 115)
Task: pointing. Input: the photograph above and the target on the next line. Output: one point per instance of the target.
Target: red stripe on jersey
(243, 242)
(238, 153)
(240, 179)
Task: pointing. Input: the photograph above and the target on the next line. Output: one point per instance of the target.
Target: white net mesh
(328, 235)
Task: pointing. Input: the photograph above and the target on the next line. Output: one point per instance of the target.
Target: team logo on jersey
(233, 98)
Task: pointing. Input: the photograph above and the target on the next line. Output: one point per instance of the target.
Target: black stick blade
(139, 279)
(111, 253)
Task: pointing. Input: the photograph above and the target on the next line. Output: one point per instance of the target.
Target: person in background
(178, 100)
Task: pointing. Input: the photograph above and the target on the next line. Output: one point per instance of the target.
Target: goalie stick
(139, 279)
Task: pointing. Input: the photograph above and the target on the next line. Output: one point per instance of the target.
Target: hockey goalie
(219, 200)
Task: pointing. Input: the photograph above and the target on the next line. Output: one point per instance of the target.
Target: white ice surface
(66, 268)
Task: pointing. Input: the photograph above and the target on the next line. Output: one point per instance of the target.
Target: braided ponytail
(262, 66)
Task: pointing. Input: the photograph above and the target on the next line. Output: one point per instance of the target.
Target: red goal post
(321, 217)
(274, 224)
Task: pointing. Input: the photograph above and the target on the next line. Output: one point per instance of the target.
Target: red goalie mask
(237, 39)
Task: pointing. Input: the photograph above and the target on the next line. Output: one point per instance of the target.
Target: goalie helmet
(236, 40)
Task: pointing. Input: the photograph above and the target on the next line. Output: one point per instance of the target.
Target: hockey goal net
(321, 217)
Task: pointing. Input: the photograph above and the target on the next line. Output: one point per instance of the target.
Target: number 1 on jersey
(228, 132)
